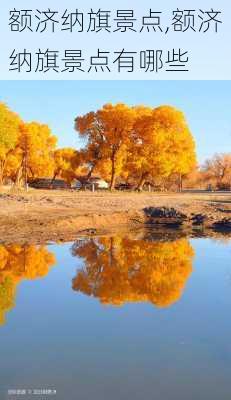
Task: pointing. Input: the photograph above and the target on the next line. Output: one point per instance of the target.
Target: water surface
(117, 318)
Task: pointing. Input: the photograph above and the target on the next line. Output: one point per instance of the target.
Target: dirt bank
(42, 216)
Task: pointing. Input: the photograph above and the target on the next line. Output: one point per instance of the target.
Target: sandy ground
(44, 215)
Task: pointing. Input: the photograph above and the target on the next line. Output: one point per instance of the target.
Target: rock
(164, 212)
(199, 219)
(225, 224)
(164, 216)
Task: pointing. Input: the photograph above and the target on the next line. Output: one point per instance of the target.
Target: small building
(47, 183)
(92, 183)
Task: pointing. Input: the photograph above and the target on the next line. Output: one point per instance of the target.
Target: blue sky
(206, 104)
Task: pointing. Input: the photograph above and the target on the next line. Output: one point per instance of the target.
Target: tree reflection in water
(18, 263)
(119, 270)
(116, 270)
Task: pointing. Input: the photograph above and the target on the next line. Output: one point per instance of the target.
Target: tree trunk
(112, 252)
(1, 177)
(180, 183)
(141, 182)
(25, 172)
(54, 177)
(2, 167)
(18, 177)
(90, 172)
(113, 180)
(113, 174)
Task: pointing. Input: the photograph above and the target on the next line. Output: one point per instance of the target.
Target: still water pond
(115, 318)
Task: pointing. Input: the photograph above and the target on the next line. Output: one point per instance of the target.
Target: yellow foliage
(9, 131)
(67, 162)
(137, 141)
(140, 143)
(18, 263)
(37, 143)
(24, 147)
(162, 146)
(108, 131)
(119, 270)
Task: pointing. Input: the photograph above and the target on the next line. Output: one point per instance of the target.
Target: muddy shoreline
(45, 216)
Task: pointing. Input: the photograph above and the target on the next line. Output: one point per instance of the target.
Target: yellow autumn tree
(18, 263)
(9, 132)
(33, 153)
(108, 132)
(120, 270)
(162, 145)
(140, 142)
(13, 165)
(66, 163)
